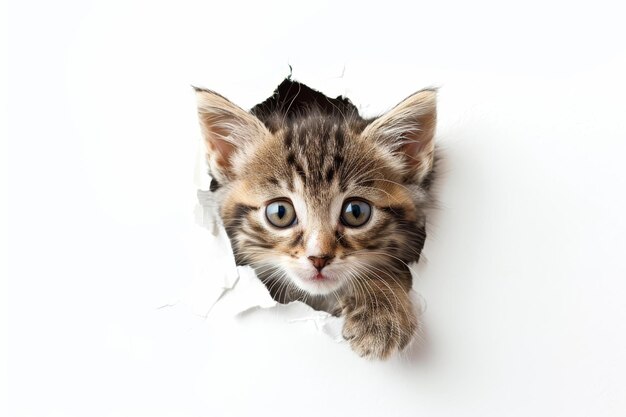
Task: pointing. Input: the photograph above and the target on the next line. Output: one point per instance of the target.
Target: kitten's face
(318, 203)
(317, 200)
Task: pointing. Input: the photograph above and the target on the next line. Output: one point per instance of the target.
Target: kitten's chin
(316, 285)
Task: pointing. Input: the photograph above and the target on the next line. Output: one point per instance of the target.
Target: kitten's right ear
(408, 130)
(227, 130)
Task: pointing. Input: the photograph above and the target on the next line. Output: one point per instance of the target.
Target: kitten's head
(312, 194)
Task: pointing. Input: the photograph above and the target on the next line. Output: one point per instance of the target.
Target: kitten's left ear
(228, 131)
(409, 129)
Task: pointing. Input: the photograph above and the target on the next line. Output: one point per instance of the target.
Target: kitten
(326, 206)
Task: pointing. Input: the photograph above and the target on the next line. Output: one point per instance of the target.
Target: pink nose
(320, 262)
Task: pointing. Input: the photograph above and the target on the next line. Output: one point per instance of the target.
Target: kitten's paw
(377, 333)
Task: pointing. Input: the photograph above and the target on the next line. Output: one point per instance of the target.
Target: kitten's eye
(355, 213)
(280, 213)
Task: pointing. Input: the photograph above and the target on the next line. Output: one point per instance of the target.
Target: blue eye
(280, 213)
(355, 213)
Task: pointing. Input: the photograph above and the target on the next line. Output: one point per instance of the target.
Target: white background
(524, 274)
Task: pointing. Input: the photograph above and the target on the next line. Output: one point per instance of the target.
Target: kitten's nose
(320, 262)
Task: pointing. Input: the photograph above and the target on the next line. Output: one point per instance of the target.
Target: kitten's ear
(227, 130)
(409, 129)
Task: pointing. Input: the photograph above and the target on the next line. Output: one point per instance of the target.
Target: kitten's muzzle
(320, 262)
